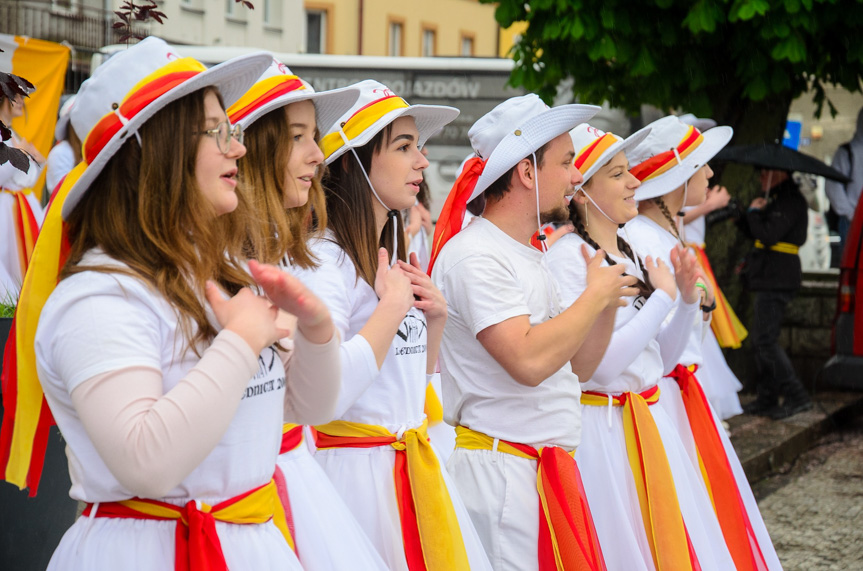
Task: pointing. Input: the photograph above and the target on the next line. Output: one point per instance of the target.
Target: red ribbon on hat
(661, 163)
(452, 214)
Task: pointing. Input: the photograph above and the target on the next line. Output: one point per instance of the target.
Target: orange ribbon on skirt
(430, 529)
(716, 470)
(567, 537)
(197, 545)
(726, 326)
(660, 509)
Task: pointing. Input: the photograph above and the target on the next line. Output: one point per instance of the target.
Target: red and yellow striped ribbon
(726, 326)
(430, 529)
(26, 227)
(587, 156)
(661, 163)
(567, 537)
(660, 508)
(262, 93)
(716, 471)
(139, 97)
(364, 118)
(197, 545)
(27, 419)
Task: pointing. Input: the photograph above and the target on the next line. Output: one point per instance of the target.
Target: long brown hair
(350, 206)
(145, 209)
(645, 288)
(277, 232)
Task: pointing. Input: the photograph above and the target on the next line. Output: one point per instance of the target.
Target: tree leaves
(129, 13)
(17, 157)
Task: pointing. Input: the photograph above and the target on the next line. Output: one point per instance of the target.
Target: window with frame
(429, 46)
(272, 12)
(466, 45)
(66, 6)
(395, 38)
(316, 31)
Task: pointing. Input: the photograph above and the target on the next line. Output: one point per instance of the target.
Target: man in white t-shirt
(510, 358)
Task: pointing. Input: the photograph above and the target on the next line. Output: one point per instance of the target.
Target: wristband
(709, 308)
(702, 286)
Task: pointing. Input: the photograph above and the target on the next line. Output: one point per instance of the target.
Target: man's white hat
(671, 153)
(594, 148)
(134, 84)
(63, 119)
(279, 87)
(515, 129)
(376, 108)
(700, 123)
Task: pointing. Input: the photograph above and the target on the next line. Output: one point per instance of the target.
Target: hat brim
(533, 134)
(624, 145)
(714, 140)
(233, 78)
(329, 105)
(430, 119)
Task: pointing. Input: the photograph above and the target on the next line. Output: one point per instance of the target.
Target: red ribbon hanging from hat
(452, 214)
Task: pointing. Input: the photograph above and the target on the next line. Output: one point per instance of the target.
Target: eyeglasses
(224, 132)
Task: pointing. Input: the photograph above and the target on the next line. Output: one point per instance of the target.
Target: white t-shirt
(94, 323)
(650, 239)
(632, 361)
(486, 278)
(393, 397)
(60, 161)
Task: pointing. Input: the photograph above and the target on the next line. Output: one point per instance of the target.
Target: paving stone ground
(814, 507)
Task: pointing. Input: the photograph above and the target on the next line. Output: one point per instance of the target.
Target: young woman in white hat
(390, 317)
(157, 361)
(671, 163)
(281, 115)
(644, 494)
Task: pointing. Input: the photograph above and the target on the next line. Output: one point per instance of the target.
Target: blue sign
(791, 138)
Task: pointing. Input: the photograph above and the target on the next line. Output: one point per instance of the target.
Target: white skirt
(613, 499)
(718, 380)
(327, 536)
(441, 434)
(672, 402)
(364, 479)
(109, 544)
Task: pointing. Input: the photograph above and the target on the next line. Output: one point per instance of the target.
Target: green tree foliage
(704, 56)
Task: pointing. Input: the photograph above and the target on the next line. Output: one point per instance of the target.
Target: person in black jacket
(778, 223)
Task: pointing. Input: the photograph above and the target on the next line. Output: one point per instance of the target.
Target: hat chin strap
(124, 121)
(391, 213)
(553, 309)
(680, 226)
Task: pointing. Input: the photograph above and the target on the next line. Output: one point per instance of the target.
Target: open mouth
(230, 176)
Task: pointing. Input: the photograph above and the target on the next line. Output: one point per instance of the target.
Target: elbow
(529, 372)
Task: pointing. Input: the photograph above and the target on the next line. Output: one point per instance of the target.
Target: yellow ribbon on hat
(590, 153)
(360, 121)
(262, 93)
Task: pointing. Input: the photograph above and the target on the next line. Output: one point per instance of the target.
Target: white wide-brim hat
(594, 148)
(377, 107)
(63, 119)
(700, 123)
(279, 87)
(132, 86)
(671, 153)
(515, 129)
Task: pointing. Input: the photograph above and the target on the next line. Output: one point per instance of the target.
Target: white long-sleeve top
(642, 347)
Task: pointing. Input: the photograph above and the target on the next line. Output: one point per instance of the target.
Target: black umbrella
(780, 157)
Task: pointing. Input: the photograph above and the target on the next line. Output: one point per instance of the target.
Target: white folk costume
(513, 459)
(377, 454)
(664, 162)
(326, 535)
(96, 324)
(721, 384)
(20, 218)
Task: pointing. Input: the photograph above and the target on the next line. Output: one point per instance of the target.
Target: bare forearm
(435, 334)
(588, 357)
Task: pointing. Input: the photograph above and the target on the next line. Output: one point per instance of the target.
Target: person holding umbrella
(778, 224)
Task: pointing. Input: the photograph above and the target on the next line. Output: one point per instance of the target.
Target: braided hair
(666, 213)
(645, 288)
